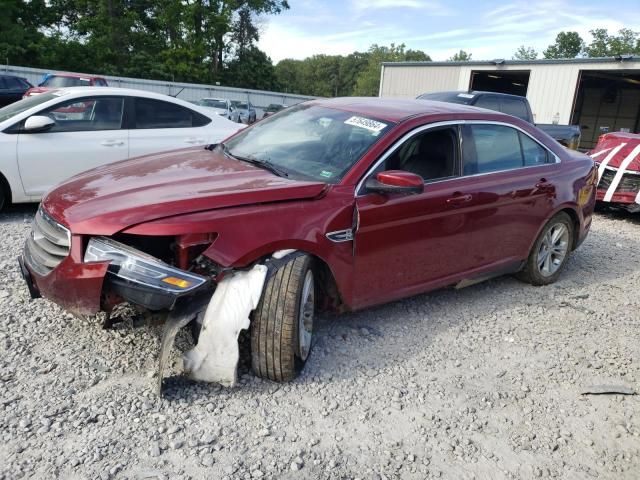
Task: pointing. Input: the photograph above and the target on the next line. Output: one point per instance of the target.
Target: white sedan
(49, 137)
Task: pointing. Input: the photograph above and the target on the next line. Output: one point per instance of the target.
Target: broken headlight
(138, 267)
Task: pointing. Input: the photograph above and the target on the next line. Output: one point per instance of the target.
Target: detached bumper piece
(140, 278)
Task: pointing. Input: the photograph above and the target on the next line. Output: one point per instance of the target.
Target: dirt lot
(478, 383)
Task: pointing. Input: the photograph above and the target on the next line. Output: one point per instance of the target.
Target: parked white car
(46, 138)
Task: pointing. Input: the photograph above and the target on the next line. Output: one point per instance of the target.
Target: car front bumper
(53, 265)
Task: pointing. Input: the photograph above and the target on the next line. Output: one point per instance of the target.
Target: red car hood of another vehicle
(628, 145)
(111, 198)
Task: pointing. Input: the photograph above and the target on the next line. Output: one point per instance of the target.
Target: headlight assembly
(138, 267)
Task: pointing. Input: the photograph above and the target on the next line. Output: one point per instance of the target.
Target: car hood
(114, 197)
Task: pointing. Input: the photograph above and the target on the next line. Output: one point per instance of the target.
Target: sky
(486, 29)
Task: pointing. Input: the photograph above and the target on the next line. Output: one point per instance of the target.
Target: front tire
(282, 325)
(550, 252)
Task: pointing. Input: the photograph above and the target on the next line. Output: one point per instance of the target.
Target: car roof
(394, 109)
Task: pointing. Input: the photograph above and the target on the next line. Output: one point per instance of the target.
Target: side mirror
(395, 181)
(38, 123)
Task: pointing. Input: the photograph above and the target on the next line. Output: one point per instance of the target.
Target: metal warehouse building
(599, 94)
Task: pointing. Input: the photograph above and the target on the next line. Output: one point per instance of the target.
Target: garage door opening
(514, 83)
(606, 101)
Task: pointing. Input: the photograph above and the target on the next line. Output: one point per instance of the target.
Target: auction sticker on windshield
(366, 123)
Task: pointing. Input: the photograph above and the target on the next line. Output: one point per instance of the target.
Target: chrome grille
(47, 245)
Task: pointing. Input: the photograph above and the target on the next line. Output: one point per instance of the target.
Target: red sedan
(366, 201)
(63, 80)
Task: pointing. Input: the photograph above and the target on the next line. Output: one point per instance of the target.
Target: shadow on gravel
(617, 214)
(18, 213)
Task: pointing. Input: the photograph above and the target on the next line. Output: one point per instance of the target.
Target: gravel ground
(482, 382)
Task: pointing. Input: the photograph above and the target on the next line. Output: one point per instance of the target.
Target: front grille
(630, 182)
(47, 245)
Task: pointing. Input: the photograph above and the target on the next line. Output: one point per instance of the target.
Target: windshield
(59, 82)
(208, 102)
(309, 141)
(25, 104)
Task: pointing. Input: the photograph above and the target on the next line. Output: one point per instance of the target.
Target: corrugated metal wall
(188, 91)
(551, 90)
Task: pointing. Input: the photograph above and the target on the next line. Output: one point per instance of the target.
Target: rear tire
(282, 325)
(550, 252)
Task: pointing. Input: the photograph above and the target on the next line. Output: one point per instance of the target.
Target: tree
(252, 69)
(568, 45)
(461, 56)
(368, 81)
(525, 53)
(604, 45)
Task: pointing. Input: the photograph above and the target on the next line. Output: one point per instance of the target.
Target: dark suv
(12, 89)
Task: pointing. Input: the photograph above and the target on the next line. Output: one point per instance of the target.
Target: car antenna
(176, 95)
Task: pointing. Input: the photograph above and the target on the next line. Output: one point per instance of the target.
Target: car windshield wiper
(264, 164)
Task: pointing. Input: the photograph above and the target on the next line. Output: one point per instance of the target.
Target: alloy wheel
(553, 249)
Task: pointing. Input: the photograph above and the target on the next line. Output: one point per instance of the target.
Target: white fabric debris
(282, 253)
(215, 357)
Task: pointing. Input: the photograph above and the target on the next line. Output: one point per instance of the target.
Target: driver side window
(432, 154)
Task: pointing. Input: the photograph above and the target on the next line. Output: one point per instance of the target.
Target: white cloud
(432, 7)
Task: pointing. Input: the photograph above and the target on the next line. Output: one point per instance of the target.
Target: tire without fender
(3, 198)
(282, 323)
(532, 272)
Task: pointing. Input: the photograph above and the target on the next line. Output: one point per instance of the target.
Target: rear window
(158, 114)
(490, 102)
(515, 107)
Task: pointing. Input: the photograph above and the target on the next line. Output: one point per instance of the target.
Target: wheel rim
(305, 317)
(553, 249)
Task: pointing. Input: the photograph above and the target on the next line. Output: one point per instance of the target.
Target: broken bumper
(84, 287)
(621, 188)
(74, 286)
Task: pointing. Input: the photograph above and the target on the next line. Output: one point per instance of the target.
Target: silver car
(243, 112)
(222, 106)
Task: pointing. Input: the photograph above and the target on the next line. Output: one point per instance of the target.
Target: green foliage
(192, 40)
(525, 53)
(338, 75)
(604, 45)
(461, 56)
(568, 45)
(368, 81)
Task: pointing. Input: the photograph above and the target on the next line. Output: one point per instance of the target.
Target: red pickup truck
(365, 201)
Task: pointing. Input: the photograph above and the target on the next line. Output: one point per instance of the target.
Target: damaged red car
(617, 156)
(365, 201)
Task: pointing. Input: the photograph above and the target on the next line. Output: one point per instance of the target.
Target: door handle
(194, 140)
(111, 143)
(459, 199)
(543, 186)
